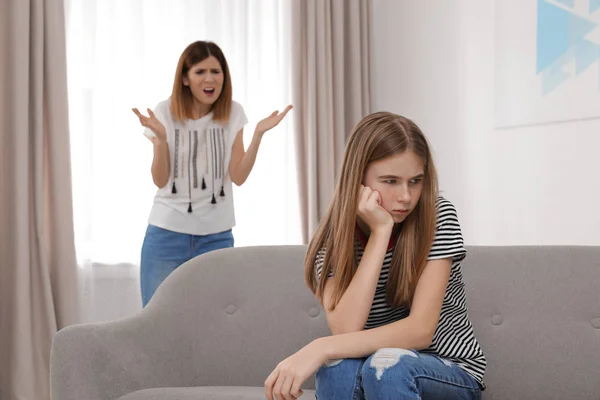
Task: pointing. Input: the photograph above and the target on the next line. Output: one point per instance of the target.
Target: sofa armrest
(109, 360)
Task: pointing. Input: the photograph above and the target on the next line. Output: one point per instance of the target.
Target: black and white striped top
(454, 338)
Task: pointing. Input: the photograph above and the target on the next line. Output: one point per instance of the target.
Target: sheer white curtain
(123, 54)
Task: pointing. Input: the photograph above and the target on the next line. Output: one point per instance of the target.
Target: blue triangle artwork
(561, 38)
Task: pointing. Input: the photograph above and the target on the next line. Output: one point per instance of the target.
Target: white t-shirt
(198, 198)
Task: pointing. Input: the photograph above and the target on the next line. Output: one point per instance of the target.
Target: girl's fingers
(366, 193)
(270, 382)
(277, 387)
(374, 199)
(286, 388)
(296, 391)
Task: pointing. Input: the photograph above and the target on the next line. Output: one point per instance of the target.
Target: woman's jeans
(163, 251)
(395, 374)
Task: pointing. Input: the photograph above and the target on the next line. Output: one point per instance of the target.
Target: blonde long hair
(375, 137)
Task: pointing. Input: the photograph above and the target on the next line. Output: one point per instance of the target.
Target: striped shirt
(454, 339)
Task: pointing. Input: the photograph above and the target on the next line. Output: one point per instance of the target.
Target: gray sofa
(218, 326)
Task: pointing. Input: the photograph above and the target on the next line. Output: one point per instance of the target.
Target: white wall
(433, 61)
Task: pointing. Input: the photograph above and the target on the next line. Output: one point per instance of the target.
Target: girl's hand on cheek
(371, 211)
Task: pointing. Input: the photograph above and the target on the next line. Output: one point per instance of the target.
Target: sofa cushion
(206, 393)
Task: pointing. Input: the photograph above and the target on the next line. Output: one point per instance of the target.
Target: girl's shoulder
(448, 240)
(441, 202)
(320, 257)
(445, 210)
(319, 263)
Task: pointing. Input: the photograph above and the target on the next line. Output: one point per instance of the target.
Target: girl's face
(205, 80)
(399, 181)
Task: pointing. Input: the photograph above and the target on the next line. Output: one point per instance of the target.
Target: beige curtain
(330, 91)
(38, 269)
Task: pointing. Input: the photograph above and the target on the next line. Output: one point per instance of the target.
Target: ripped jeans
(394, 374)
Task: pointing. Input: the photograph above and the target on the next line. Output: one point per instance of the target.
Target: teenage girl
(385, 262)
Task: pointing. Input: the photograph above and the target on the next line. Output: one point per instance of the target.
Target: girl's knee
(388, 361)
(341, 366)
(390, 373)
(338, 376)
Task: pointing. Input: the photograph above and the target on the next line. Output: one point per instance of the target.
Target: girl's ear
(186, 81)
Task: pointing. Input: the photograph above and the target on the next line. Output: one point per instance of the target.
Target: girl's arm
(413, 332)
(242, 162)
(352, 311)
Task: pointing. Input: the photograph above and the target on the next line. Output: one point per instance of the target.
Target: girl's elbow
(425, 341)
(421, 332)
(425, 338)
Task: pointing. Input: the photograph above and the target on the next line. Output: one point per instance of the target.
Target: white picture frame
(547, 61)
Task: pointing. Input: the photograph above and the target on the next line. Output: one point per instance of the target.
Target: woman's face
(205, 80)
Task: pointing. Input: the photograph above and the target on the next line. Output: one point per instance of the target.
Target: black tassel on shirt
(205, 151)
(175, 162)
(195, 160)
(215, 162)
(222, 164)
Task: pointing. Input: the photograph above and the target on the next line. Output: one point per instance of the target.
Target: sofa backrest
(535, 311)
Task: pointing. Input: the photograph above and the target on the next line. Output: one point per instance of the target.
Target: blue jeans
(395, 374)
(163, 251)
